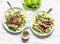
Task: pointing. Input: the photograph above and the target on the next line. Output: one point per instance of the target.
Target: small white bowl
(26, 36)
(11, 30)
(37, 32)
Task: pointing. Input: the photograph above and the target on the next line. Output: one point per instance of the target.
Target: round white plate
(37, 32)
(6, 27)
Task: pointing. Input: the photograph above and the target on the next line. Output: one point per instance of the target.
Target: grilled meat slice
(13, 19)
(44, 24)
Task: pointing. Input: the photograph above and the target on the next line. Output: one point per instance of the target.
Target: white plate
(11, 30)
(37, 32)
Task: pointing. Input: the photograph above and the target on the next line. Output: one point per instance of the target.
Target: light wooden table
(54, 38)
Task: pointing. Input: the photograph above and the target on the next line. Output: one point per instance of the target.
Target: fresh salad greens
(42, 23)
(31, 3)
(15, 21)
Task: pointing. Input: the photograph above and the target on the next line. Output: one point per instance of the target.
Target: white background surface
(8, 38)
